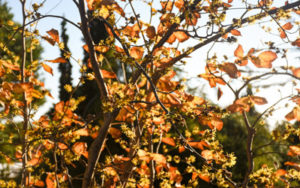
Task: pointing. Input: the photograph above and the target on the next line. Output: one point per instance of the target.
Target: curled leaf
(58, 60)
(54, 35)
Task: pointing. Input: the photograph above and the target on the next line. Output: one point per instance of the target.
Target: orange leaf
(10, 66)
(280, 172)
(216, 123)
(207, 154)
(179, 4)
(239, 52)
(259, 100)
(290, 116)
(54, 35)
(47, 68)
(59, 107)
(79, 148)
(48, 39)
(294, 151)
(296, 72)
(181, 36)
(118, 9)
(235, 32)
(171, 39)
(167, 5)
(159, 158)
(50, 181)
(107, 74)
(296, 165)
(199, 145)
(282, 33)
(62, 146)
(81, 132)
(264, 59)
(204, 177)
(169, 141)
(114, 132)
(181, 149)
(150, 32)
(58, 60)
(296, 43)
(287, 26)
(136, 52)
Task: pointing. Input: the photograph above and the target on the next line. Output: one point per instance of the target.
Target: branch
(24, 135)
(249, 152)
(231, 27)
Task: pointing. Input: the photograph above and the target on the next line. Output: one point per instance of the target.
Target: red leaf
(235, 32)
(169, 141)
(54, 35)
(58, 60)
(47, 68)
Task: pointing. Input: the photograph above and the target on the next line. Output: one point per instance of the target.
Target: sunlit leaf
(137, 52)
(239, 52)
(280, 172)
(80, 148)
(181, 36)
(47, 68)
(58, 60)
(169, 141)
(294, 151)
(54, 35)
(235, 32)
(264, 59)
(287, 26)
(107, 74)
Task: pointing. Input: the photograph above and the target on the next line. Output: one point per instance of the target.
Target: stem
(25, 174)
(249, 152)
